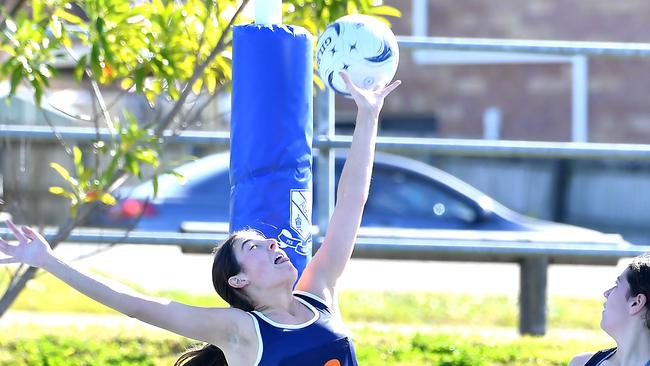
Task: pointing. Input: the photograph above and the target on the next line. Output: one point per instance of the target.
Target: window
(404, 199)
(213, 190)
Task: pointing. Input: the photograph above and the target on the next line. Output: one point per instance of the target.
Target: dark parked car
(404, 193)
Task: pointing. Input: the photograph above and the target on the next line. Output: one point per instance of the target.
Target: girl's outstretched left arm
(326, 267)
(213, 325)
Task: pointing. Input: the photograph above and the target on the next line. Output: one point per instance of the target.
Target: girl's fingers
(31, 234)
(345, 77)
(19, 235)
(8, 261)
(6, 248)
(391, 87)
(348, 83)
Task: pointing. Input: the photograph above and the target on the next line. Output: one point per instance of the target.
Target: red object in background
(132, 208)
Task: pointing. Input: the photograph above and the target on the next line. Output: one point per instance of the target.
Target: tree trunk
(12, 292)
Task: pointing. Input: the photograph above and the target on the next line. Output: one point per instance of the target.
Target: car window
(411, 196)
(214, 189)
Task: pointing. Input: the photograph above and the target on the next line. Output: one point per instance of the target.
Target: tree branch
(14, 10)
(198, 72)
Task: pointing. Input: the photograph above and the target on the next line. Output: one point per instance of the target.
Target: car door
(208, 198)
(401, 198)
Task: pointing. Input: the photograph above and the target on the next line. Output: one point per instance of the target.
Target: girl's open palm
(32, 248)
(368, 100)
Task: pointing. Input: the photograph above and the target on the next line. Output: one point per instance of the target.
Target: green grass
(70, 350)
(390, 328)
(383, 345)
(49, 294)
(461, 309)
(463, 348)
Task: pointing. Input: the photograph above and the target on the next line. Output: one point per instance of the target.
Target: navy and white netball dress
(321, 341)
(600, 356)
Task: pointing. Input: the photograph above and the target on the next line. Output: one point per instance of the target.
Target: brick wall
(535, 99)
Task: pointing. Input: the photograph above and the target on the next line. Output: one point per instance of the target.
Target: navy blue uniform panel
(600, 356)
(321, 341)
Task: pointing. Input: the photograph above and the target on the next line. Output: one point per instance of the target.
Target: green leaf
(154, 181)
(126, 83)
(57, 190)
(38, 92)
(63, 172)
(319, 83)
(134, 129)
(108, 174)
(196, 88)
(77, 154)
(65, 39)
(173, 92)
(56, 26)
(69, 17)
(95, 66)
(386, 11)
(80, 68)
(211, 83)
(139, 79)
(132, 165)
(99, 26)
(78, 161)
(108, 199)
(16, 77)
(352, 7)
(85, 175)
(37, 9)
(147, 156)
(180, 177)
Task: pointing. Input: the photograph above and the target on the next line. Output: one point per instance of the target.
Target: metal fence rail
(46, 133)
(405, 244)
(460, 147)
(100, 236)
(611, 49)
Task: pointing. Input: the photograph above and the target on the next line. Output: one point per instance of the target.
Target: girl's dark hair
(225, 265)
(638, 277)
(208, 355)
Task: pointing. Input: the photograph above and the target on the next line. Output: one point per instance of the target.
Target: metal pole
(610, 49)
(532, 296)
(580, 100)
(268, 12)
(325, 160)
